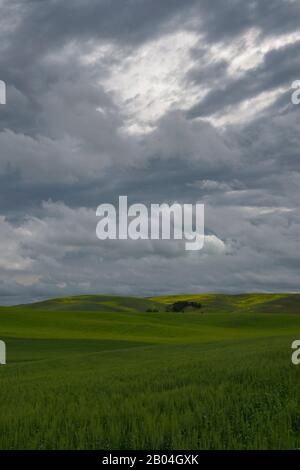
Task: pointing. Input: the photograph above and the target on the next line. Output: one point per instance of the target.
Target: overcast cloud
(164, 101)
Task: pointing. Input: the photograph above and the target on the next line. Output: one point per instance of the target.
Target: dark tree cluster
(182, 304)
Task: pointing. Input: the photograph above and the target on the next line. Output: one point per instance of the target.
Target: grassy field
(100, 372)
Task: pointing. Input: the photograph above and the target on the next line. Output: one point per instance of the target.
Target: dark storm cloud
(33, 30)
(50, 24)
(62, 141)
(279, 68)
(209, 74)
(222, 20)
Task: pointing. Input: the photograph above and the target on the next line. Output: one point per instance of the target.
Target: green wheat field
(102, 372)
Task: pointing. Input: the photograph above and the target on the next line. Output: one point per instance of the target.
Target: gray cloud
(279, 68)
(65, 145)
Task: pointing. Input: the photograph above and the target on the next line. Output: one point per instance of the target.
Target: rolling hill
(102, 372)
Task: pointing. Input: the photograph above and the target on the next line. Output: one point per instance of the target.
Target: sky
(162, 101)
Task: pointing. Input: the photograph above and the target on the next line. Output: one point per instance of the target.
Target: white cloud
(148, 82)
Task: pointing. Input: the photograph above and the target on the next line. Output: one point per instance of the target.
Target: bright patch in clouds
(148, 82)
(151, 79)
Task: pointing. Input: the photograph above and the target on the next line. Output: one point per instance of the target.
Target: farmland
(104, 372)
